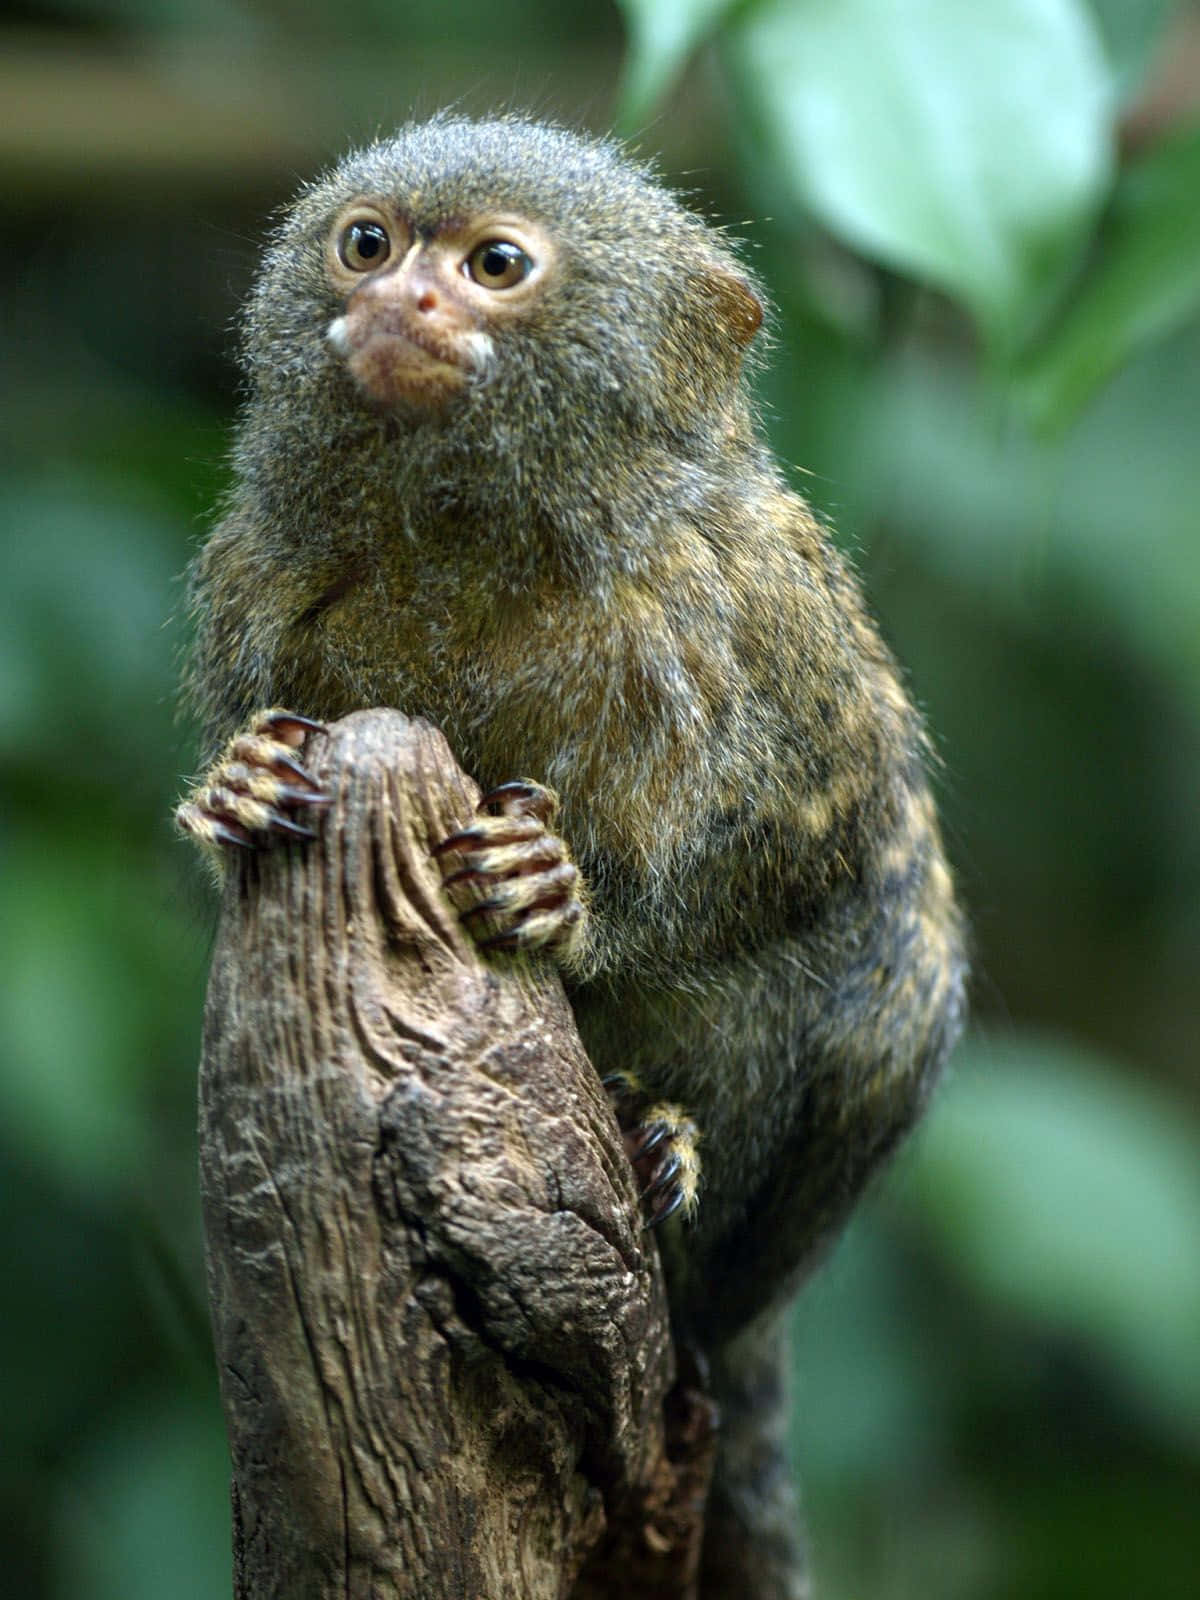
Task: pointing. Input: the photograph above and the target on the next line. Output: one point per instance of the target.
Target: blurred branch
(1170, 98)
(442, 1338)
(102, 114)
(221, 111)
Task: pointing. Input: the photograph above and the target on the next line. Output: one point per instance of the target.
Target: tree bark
(440, 1327)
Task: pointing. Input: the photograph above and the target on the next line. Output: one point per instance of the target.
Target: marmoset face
(423, 304)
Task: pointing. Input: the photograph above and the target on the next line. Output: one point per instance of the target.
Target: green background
(981, 224)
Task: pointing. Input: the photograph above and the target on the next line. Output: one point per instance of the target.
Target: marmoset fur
(499, 466)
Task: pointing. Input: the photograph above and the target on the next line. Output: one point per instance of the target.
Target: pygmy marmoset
(499, 467)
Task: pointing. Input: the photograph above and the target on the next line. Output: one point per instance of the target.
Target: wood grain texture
(440, 1327)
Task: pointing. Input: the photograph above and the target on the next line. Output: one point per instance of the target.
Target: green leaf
(1072, 1193)
(662, 34)
(966, 145)
(1145, 286)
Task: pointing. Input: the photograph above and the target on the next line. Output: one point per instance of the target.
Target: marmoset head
(503, 279)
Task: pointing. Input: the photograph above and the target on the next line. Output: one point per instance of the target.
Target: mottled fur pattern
(588, 571)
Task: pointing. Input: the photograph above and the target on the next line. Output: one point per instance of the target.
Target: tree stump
(440, 1326)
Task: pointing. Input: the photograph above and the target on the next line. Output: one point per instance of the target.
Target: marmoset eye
(498, 264)
(364, 245)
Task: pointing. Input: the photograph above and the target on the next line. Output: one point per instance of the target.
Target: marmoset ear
(733, 302)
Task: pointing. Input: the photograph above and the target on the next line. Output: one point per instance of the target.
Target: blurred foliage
(980, 226)
(968, 146)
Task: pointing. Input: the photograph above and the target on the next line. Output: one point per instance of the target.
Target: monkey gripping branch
(501, 464)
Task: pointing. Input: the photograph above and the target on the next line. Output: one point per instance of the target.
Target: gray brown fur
(588, 570)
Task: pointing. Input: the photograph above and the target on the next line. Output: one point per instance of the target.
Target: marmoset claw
(662, 1144)
(527, 892)
(246, 800)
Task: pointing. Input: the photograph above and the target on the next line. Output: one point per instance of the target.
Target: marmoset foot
(250, 797)
(527, 890)
(662, 1143)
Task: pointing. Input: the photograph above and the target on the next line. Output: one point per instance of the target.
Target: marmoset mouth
(392, 361)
